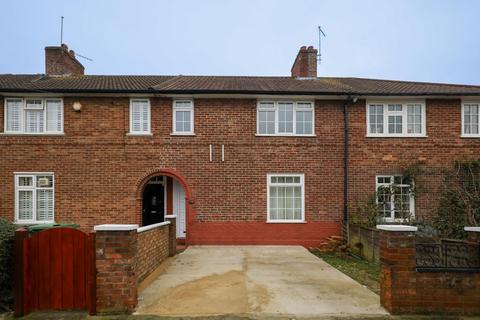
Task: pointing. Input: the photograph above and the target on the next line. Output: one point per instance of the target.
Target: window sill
(32, 134)
(471, 136)
(139, 134)
(395, 136)
(32, 222)
(182, 134)
(287, 135)
(286, 221)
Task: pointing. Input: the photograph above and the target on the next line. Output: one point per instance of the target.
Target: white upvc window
(285, 198)
(33, 116)
(471, 120)
(394, 197)
(140, 117)
(34, 198)
(285, 118)
(396, 119)
(183, 117)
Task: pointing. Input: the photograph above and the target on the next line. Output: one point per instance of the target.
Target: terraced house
(238, 160)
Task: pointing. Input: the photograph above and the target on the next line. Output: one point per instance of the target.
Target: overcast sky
(427, 40)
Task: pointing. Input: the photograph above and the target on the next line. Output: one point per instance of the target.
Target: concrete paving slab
(255, 280)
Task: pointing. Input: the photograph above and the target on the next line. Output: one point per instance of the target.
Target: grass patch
(362, 271)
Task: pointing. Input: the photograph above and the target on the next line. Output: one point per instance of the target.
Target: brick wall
(406, 291)
(98, 168)
(116, 262)
(364, 242)
(153, 248)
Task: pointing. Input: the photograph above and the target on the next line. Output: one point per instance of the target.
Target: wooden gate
(55, 270)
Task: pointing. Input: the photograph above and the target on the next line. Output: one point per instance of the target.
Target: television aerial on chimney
(61, 40)
(320, 34)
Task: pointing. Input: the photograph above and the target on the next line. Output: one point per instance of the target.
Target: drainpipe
(346, 154)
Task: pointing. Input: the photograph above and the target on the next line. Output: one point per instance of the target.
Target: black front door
(153, 204)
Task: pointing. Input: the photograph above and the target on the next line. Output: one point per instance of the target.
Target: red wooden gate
(55, 270)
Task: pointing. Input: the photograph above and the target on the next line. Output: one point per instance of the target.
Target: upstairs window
(396, 119)
(34, 198)
(394, 198)
(470, 120)
(285, 118)
(183, 117)
(33, 116)
(140, 117)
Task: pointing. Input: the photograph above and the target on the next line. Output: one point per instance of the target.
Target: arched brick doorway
(178, 177)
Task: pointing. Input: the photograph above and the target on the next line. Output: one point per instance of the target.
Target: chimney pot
(305, 65)
(61, 62)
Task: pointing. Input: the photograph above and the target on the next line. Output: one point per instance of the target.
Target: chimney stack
(59, 61)
(305, 65)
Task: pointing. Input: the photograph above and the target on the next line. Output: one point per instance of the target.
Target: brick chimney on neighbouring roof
(59, 61)
(305, 65)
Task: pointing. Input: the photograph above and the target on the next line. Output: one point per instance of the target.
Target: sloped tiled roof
(226, 84)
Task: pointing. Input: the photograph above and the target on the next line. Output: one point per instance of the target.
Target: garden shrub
(7, 254)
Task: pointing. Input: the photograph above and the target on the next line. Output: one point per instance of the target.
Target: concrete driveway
(255, 280)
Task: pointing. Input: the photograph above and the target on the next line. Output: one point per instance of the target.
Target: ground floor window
(285, 197)
(34, 197)
(395, 198)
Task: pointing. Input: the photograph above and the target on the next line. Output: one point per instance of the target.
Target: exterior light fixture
(77, 106)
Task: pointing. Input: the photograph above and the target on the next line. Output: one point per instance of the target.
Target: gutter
(346, 156)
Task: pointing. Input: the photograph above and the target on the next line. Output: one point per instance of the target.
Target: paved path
(255, 280)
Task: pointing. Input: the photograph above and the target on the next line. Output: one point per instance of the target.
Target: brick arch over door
(189, 200)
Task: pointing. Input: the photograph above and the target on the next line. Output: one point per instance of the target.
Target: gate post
(397, 258)
(116, 263)
(20, 236)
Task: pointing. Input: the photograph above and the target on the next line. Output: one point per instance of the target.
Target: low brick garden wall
(126, 255)
(364, 242)
(153, 248)
(409, 288)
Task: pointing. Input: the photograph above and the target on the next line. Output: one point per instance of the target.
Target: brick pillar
(115, 250)
(172, 235)
(473, 234)
(398, 278)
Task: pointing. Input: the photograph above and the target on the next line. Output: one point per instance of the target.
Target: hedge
(7, 261)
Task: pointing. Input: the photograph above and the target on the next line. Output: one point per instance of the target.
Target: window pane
(25, 181)
(54, 114)
(44, 181)
(285, 117)
(266, 122)
(14, 115)
(304, 122)
(375, 118)
(140, 116)
(44, 205)
(471, 119)
(394, 124)
(414, 119)
(25, 205)
(34, 120)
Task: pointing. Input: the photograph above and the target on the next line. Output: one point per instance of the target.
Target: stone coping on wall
(396, 227)
(115, 227)
(153, 226)
(472, 229)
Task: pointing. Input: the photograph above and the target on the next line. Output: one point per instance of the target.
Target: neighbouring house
(238, 160)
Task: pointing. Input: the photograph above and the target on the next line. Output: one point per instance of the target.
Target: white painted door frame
(179, 209)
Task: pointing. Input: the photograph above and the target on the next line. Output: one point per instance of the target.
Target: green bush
(7, 254)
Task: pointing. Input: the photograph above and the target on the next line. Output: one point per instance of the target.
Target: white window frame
(33, 188)
(23, 115)
(392, 209)
(149, 115)
(296, 108)
(301, 184)
(462, 133)
(190, 108)
(403, 113)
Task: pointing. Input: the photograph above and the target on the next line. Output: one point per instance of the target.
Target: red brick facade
(100, 170)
